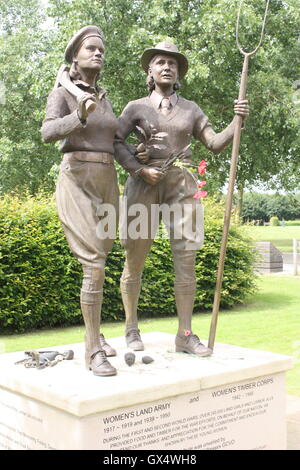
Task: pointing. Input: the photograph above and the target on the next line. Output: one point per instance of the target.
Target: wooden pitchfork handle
(232, 177)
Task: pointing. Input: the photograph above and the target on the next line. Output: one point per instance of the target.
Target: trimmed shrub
(274, 221)
(40, 279)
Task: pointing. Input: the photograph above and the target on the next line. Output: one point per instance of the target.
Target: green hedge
(291, 223)
(261, 206)
(40, 279)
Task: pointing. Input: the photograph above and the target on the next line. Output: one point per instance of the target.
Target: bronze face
(91, 54)
(164, 69)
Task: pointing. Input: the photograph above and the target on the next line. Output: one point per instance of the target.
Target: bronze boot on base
(109, 350)
(95, 358)
(191, 344)
(133, 339)
(97, 362)
(185, 340)
(130, 296)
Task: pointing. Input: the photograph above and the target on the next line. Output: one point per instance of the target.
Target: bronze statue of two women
(81, 117)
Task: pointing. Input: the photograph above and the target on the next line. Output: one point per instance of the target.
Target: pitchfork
(232, 176)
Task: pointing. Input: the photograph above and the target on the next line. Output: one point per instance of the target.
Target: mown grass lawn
(269, 321)
(281, 237)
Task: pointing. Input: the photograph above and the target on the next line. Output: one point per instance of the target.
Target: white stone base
(234, 399)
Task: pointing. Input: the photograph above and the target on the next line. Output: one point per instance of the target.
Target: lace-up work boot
(109, 351)
(191, 344)
(133, 339)
(99, 365)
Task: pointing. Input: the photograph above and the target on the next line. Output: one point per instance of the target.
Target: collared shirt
(100, 92)
(156, 99)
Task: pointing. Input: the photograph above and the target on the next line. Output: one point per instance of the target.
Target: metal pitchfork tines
(261, 35)
(232, 176)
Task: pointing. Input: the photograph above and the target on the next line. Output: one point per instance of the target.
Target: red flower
(201, 184)
(200, 194)
(202, 167)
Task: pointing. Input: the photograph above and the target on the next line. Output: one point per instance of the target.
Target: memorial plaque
(213, 409)
(269, 258)
(237, 416)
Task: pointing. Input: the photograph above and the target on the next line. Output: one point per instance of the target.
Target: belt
(100, 157)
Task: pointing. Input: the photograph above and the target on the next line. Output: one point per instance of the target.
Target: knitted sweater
(186, 120)
(62, 123)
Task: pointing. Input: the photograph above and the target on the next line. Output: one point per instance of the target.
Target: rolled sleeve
(201, 122)
(59, 122)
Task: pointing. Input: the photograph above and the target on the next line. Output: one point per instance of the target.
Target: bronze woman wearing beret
(87, 177)
(176, 120)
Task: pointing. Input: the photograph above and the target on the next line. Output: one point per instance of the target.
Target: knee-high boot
(184, 288)
(130, 291)
(185, 298)
(91, 302)
(185, 291)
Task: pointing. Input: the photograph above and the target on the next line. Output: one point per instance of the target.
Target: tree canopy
(31, 53)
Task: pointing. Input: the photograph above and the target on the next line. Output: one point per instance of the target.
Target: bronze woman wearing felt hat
(81, 117)
(175, 120)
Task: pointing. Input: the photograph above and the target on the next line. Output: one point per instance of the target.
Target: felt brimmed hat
(78, 38)
(166, 48)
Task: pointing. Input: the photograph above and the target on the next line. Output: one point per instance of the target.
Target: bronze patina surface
(87, 178)
(174, 121)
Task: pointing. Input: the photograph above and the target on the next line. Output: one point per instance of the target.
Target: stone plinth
(234, 399)
(270, 259)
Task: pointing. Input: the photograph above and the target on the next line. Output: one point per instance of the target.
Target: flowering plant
(201, 170)
(148, 138)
